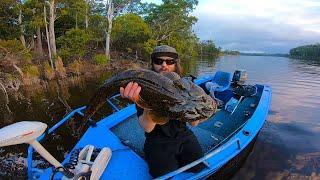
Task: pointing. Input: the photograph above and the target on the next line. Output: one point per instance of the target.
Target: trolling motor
(87, 161)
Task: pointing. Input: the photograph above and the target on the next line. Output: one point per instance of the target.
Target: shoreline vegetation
(307, 52)
(40, 42)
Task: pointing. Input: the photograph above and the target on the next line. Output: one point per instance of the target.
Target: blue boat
(224, 137)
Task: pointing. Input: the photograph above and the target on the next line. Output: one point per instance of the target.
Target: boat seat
(220, 82)
(135, 139)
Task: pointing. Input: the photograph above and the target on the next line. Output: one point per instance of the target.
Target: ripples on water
(287, 147)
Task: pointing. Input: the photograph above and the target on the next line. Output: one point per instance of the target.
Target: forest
(59, 38)
(308, 52)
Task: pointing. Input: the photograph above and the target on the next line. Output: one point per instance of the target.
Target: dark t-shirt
(172, 129)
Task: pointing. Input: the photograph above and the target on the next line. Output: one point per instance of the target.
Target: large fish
(165, 95)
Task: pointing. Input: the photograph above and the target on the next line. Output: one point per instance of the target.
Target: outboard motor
(239, 77)
(84, 163)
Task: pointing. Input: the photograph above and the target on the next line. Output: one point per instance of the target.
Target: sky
(268, 26)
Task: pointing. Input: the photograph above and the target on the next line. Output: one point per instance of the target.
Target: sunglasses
(159, 61)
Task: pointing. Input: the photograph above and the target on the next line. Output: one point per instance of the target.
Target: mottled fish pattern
(166, 95)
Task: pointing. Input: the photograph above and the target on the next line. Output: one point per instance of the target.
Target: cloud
(273, 26)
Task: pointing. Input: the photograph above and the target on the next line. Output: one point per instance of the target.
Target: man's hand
(195, 123)
(131, 91)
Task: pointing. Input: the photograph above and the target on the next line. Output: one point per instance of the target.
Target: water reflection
(199, 66)
(270, 159)
(287, 147)
(47, 103)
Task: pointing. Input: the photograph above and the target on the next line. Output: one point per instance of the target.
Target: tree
(34, 9)
(306, 52)
(208, 48)
(73, 45)
(130, 31)
(52, 18)
(114, 8)
(47, 35)
(76, 11)
(173, 16)
(8, 20)
(110, 15)
(171, 24)
(22, 39)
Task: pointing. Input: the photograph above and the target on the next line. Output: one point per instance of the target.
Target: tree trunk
(22, 39)
(87, 15)
(47, 34)
(52, 37)
(4, 104)
(31, 45)
(108, 41)
(108, 33)
(39, 42)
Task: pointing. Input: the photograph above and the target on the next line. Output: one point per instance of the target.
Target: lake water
(287, 147)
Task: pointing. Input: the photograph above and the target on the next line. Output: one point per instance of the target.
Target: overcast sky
(272, 26)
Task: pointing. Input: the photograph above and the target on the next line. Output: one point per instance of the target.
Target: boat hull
(221, 159)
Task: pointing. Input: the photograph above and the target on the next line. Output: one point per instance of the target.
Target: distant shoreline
(265, 54)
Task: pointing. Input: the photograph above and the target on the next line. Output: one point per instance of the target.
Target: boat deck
(210, 133)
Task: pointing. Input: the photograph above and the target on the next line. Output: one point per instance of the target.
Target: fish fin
(172, 75)
(142, 103)
(157, 118)
(182, 84)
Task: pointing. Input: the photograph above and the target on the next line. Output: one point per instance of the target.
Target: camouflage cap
(164, 50)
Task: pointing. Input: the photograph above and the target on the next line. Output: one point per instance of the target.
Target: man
(171, 145)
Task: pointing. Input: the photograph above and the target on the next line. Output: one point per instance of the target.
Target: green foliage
(100, 59)
(97, 27)
(33, 14)
(47, 68)
(208, 48)
(137, 28)
(31, 70)
(230, 52)
(11, 46)
(15, 50)
(306, 52)
(128, 31)
(171, 17)
(9, 28)
(71, 14)
(78, 67)
(73, 44)
(171, 24)
(147, 48)
(185, 43)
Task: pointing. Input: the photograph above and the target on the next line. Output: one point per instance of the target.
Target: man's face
(164, 64)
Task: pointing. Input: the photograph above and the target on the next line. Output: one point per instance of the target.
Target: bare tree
(4, 102)
(113, 9)
(39, 42)
(47, 34)
(52, 17)
(39, 49)
(22, 39)
(110, 14)
(87, 14)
